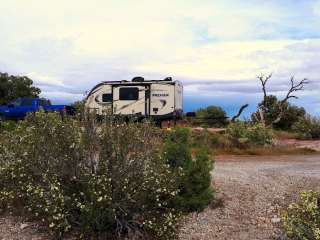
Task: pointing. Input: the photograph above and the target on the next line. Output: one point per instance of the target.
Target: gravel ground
(254, 190)
(14, 228)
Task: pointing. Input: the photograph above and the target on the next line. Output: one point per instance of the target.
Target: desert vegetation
(211, 116)
(112, 179)
(272, 120)
(195, 190)
(302, 219)
(307, 128)
(119, 179)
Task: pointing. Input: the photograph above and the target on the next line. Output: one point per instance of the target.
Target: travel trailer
(158, 99)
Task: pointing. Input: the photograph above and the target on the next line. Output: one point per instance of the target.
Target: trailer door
(129, 100)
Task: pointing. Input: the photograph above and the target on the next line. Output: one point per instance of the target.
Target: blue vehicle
(20, 107)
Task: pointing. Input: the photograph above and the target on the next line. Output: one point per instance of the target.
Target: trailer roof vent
(138, 79)
(168, 79)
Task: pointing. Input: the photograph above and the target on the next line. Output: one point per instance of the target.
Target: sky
(215, 47)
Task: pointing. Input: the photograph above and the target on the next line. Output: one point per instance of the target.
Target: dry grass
(282, 135)
(221, 144)
(265, 151)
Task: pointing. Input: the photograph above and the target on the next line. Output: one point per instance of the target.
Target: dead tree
(264, 79)
(294, 87)
(242, 108)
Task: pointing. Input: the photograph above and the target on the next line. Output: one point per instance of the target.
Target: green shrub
(271, 108)
(195, 190)
(212, 140)
(80, 110)
(307, 128)
(7, 126)
(245, 134)
(118, 187)
(238, 131)
(177, 150)
(211, 116)
(201, 138)
(302, 219)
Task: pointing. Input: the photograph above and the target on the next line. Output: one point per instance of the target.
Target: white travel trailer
(158, 99)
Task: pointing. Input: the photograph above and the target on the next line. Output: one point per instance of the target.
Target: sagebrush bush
(104, 180)
(212, 140)
(245, 134)
(307, 128)
(211, 116)
(195, 190)
(301, 221)
(39, 159)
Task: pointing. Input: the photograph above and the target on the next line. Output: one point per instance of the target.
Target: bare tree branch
(264, 79)
(294, 88)
(242, 108)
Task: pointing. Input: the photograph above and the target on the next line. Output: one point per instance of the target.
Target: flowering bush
(246, 134)
(39, 158)
(105, 180)
(302, 219)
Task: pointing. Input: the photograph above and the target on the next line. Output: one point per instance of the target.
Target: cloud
(317, 109)
(316, 8)
(216, 47)
(275, 86)
(225, 60)
(43, 80)
(58, 97)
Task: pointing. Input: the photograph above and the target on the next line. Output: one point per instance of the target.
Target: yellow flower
(51, 225)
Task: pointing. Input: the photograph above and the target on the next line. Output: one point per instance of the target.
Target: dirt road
(254, 190)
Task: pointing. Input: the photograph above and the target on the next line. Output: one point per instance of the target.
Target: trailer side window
(131, 93)
(107, 97)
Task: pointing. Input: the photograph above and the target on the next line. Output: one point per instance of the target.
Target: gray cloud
(248, 86)
(206, 45)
